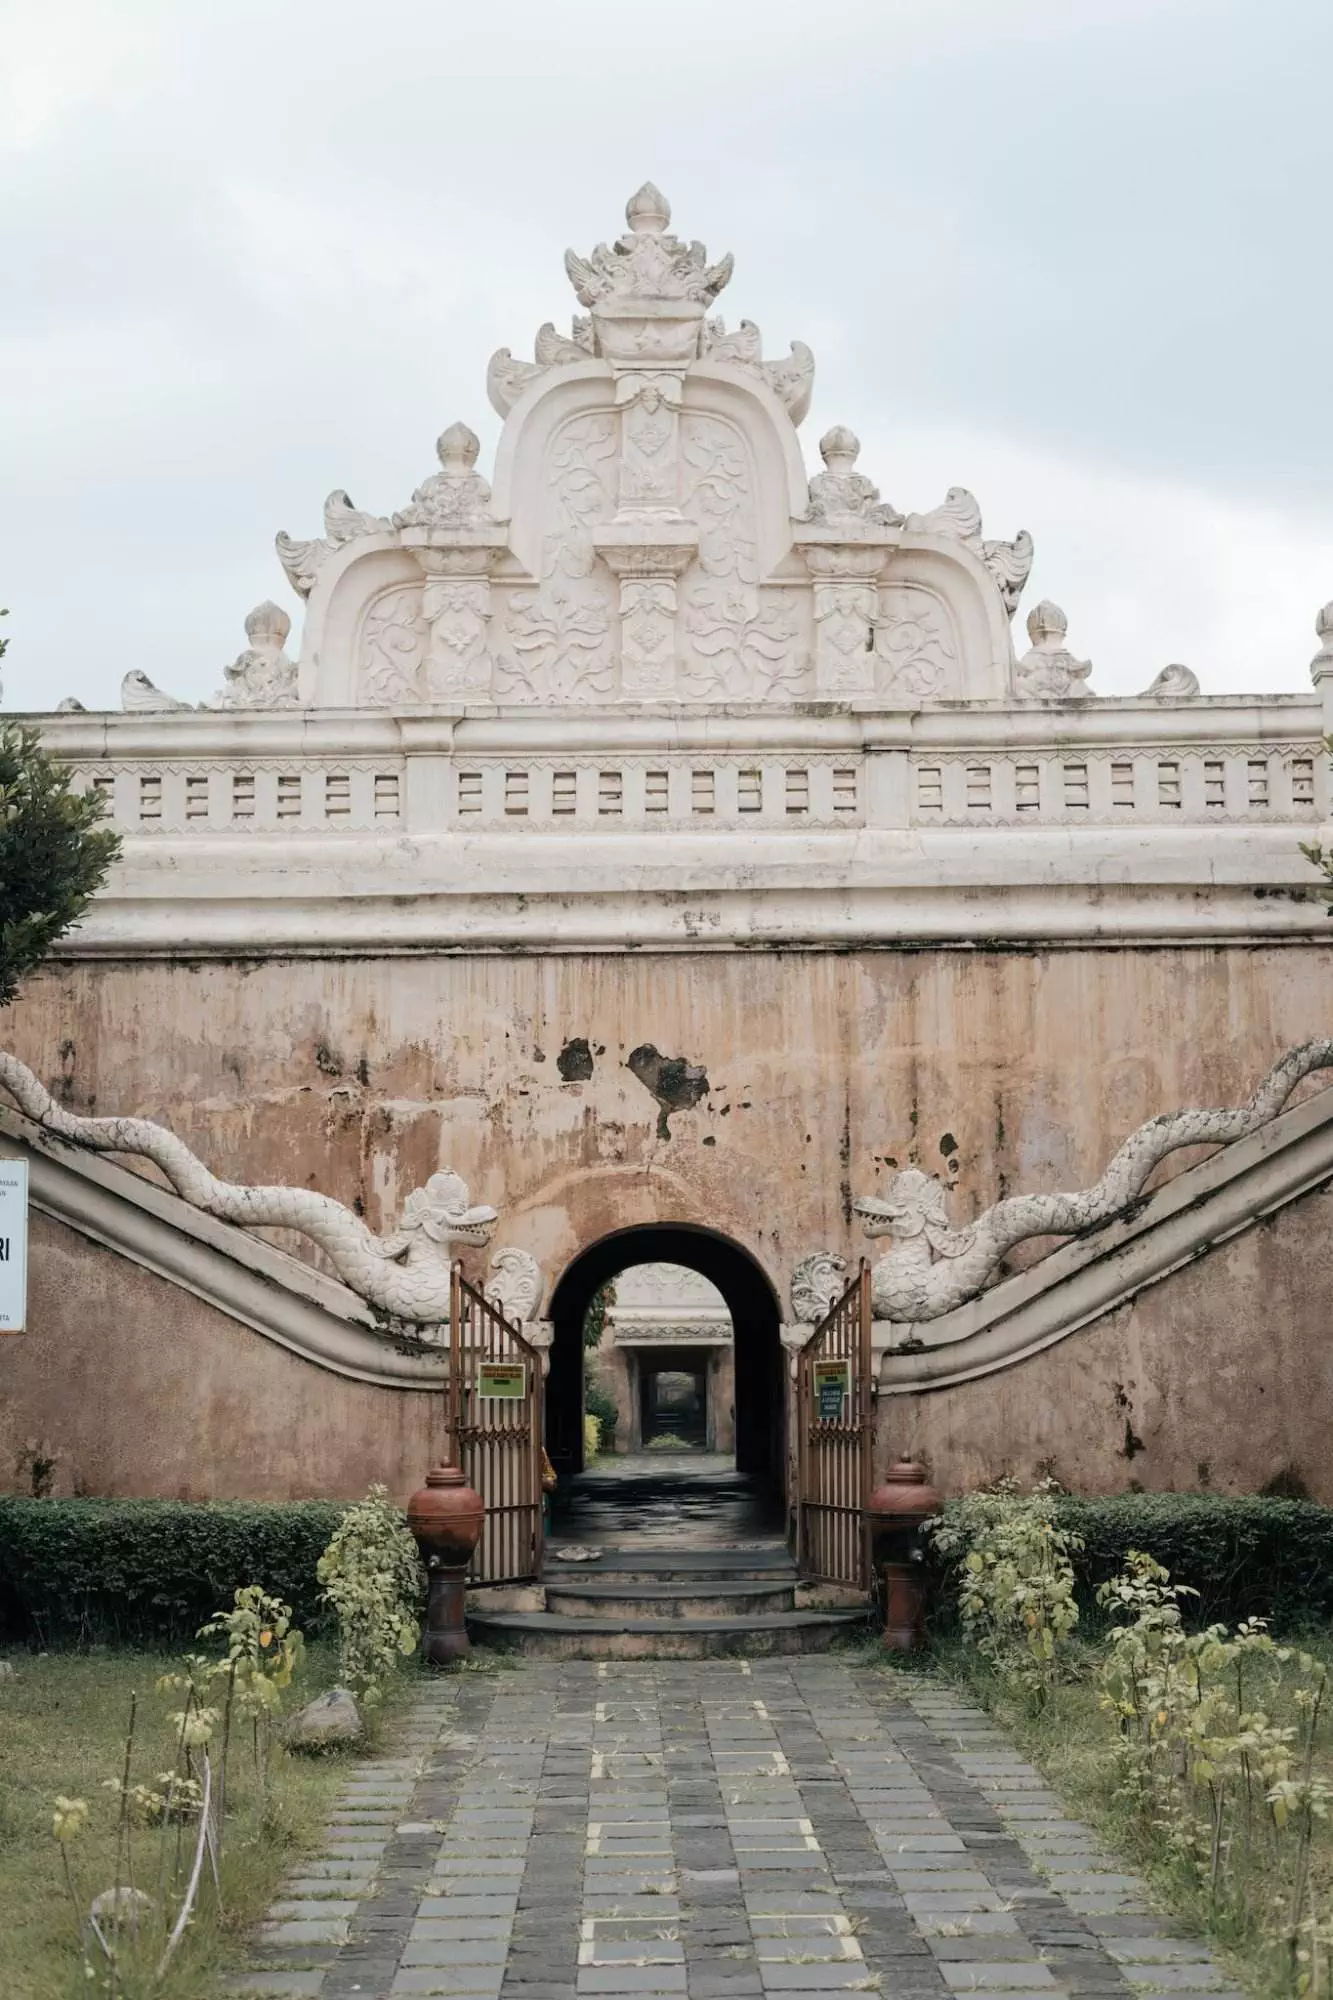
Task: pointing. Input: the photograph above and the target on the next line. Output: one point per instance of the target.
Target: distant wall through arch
(751, 1301)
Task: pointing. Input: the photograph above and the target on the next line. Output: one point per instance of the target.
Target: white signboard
(13, 1246)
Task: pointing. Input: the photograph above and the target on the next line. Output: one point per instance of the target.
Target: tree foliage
(54, 854)
(594, 1320)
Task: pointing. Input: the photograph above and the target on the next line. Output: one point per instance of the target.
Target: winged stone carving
(405, 1274)
(138, 696)
(958, 518)
(553, 350)
(506, 379)
(744, 348)
(515, 1285)
(934, 1267)
(1010, 563)
(344, 522)
(1174, 683)
(792, 381)
(817, 1283)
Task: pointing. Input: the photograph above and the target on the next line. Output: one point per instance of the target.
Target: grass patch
(62, 1729)
(1076, 1746)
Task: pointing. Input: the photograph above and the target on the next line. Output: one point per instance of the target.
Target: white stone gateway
(651, 532)
(648, 680)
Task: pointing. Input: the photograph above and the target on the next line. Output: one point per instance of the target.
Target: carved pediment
(650, 531)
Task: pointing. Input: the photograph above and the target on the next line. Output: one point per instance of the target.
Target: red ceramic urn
(446, 1517)
(897, 1510)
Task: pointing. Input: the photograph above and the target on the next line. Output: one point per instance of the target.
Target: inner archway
(755, 1316)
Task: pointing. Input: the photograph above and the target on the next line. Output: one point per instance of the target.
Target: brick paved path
(710, 1829)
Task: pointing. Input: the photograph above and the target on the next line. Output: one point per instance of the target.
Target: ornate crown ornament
(647, 265)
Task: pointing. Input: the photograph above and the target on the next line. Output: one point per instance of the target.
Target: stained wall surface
(822, 1072)
(144, 1390)
(1219, 1379)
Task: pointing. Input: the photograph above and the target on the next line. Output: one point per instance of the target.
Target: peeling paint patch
(1133, 1444)
(574, 1061)
(676, 1084)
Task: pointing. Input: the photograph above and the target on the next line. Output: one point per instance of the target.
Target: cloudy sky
(1074, 254)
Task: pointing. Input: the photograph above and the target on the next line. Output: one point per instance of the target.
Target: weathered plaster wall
(144, 1389)
(361, 1076)
(1220, 1377)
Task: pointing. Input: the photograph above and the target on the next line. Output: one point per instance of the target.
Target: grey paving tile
(641, 1829)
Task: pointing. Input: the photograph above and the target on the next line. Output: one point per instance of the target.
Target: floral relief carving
(581, 471)
(393, 648)
(457, 611)
(845, 615)
(557, 642)
(915, 642)
(719, 498)
(558, 648)
(744, 646)
(648, 458)
(648, 635)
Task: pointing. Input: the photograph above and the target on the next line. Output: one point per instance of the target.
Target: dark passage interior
(673, 1404)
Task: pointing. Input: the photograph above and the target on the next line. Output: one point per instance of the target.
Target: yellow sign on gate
(502, 1381)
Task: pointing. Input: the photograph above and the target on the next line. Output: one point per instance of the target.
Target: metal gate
(495, 1419)
(833, 1441)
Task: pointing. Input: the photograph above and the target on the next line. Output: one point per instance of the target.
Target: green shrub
(598, 1403)
(1013, 1559)
(373, 1577)
(1247, 1556)
(151, 1572)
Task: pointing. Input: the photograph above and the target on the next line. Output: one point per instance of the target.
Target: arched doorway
(756, 1320)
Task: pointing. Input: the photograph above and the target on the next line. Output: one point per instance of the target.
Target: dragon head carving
(442, 1211)
(913, 1204)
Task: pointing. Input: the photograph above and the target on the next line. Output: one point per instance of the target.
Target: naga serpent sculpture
(405, 1274)
(935, 1267)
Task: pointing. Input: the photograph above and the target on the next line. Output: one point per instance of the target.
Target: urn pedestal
(446, 1517)
(898, 1509)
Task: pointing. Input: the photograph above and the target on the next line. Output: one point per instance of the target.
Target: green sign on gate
(502, 1381)
(833, 1385)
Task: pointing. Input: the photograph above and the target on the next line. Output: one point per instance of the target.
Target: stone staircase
(655, 1604)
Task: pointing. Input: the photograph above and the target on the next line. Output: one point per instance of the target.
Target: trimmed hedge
(1248, 1556)
(151, 1572)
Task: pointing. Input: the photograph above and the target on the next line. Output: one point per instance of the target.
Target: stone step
(616, 1597)
(759, 1563)
(548, 1635)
